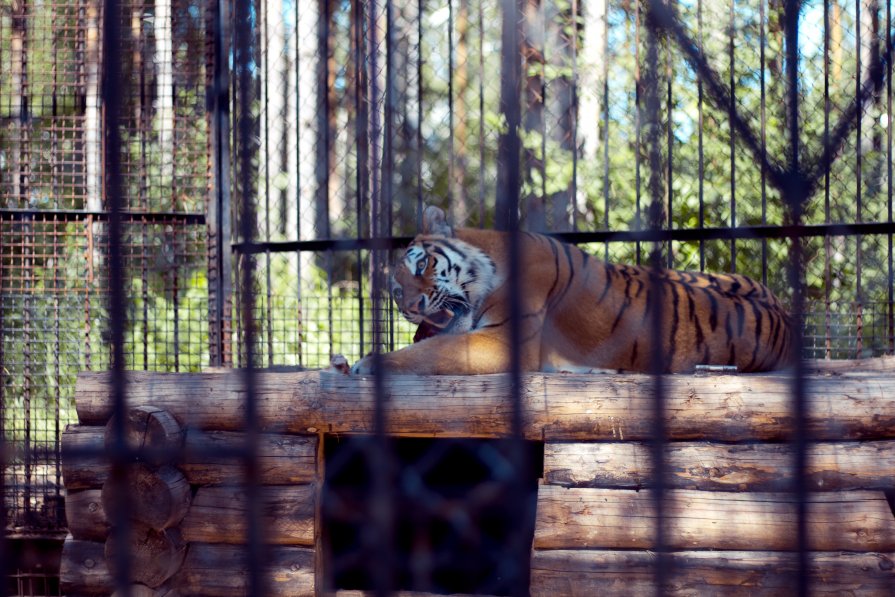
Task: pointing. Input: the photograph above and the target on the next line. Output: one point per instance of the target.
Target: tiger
(577, 313)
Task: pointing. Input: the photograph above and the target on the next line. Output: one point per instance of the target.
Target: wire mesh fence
(359, 113)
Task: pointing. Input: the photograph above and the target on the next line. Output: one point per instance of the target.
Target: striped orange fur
(578, 313)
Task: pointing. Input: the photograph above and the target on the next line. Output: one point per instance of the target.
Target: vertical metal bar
(731, 110)
(5, 551)
(57, 375)
(324, 151)
(510, 152)
(113, 189)
(764, 145)
(175, 302)
(321, 90)
(859, 330)
(219, 207)
(22, 186)
(669, 143)
(419, 115)
(544, 115)
(701, 146)
(266, 59)
(245, 46)
(175, 237)
(88, 282)
(828, 343)
(795, 195)
(889, 124)
(575, 32)
(859, 133)
(375, 128)
(481, 113)
(329, 298)
(606, 126)
(388, 154)
(27, 249)
(382, 565)
(656, 289)
(638, 128)
(452, 191)
(362, 141)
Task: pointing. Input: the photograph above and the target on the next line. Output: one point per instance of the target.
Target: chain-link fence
(340, 120)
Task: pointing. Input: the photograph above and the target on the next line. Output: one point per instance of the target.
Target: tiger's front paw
(364, 366)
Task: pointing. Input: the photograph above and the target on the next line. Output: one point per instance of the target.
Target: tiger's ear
(434, 222)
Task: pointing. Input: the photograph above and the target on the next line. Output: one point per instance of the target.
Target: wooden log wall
(729, 514)
(186, 508)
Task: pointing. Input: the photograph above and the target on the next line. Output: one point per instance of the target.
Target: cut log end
(153, 556)
(158, 499)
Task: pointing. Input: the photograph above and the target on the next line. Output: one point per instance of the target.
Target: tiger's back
(605, 319)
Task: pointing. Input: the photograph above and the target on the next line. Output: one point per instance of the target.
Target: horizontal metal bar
(348, 244)
(598, 236)
(76, 215)
(738, 233)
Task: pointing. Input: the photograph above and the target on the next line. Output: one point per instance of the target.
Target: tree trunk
(306, 158)
(92, 115)
(164, 89)
(460, 210)
(533, 158)
(562, 31)
(591, 66)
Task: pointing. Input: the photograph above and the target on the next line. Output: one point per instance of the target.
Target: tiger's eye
(421, 265)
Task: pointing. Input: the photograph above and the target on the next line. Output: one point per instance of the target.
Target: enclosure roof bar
(75, 215)
(598, 236)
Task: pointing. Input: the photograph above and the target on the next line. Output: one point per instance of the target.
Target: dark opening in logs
(458, 514)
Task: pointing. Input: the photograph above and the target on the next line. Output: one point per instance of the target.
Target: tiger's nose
(417, 307)
(397, 293)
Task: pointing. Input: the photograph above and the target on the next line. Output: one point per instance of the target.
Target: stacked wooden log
(729, 515)
(728, 512)
(185, 509)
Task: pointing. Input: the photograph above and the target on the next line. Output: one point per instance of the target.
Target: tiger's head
(440, 280)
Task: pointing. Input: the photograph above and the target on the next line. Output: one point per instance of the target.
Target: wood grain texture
(158, 498)
(625, 519)
(144, 591)
(208, 457)
(86, 515)
(219, 515)
(220, 571)
(152, 431)
(83, 569)
(555, 406)
(584, 573)
(207, 571)
(722, 467)
(154, 556)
